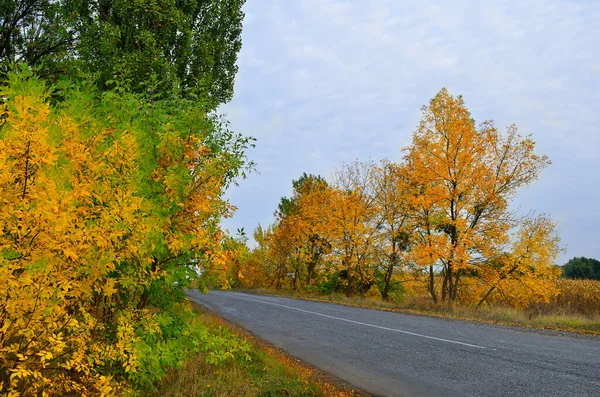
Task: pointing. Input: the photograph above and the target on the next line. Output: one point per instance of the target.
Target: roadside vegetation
(575, 309)
(114, 167)
(113, 170)
(261, 371)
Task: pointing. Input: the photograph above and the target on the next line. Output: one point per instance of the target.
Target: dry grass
(574, 309)
(269, 373)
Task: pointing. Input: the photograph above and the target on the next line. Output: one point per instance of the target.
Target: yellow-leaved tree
(463, 178)
(392, 224)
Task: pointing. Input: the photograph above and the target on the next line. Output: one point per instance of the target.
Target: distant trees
(439, 218)
(582, 268)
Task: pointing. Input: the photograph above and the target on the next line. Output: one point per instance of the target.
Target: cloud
(323, 82)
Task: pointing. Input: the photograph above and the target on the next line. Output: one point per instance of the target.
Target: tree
(34, 31)
(187, 48)
(301, 233)
(530, 262)
(111, 187)
(582, 268)
(443, 212)
(355, 224)
(303, 185)
(464, 178)
(393, 227)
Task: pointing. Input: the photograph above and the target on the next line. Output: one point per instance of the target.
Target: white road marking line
(367, 324)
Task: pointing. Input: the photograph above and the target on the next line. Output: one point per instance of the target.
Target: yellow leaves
(109, 287)
(20, 373)
(59, 237)
(28, 110)
(175, 244)
(45, 355)
(104, 386)
(443, 211)
(70, 254)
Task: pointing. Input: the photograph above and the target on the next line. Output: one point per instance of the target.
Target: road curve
(395, 354)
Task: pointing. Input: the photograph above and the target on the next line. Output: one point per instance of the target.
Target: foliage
(530, 261)
(300, 233)
(160, 48)
(582, 268)
(393, 224)
(109, 208)
(438, 221)
(464, 178)
(269, 372)
(34, 31)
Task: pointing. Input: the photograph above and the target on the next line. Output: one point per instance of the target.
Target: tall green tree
(34, 32)
(159, 47)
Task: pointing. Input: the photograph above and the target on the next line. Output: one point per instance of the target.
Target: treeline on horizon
(439, 222)
(113, 167)
(581, 268)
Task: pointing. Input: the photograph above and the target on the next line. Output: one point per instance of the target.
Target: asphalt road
(394, 354)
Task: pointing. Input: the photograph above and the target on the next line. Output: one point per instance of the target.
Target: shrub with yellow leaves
(109, 206)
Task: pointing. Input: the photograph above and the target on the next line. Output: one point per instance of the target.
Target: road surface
(395, 354)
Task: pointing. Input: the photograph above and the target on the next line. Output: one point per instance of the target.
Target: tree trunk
(445, 285)
(454, 291)
(432, 290)
(387, 280)
(349, 285)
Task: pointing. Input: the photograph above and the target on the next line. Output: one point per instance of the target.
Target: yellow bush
(105, 207)
(373, 293)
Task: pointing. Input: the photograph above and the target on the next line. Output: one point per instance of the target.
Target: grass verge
(269, 372)
(558, 321)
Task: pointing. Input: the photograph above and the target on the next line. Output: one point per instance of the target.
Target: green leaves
(582, 268)
(158, 49)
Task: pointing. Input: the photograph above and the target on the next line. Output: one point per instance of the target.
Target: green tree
(159, 47)
(582, 268)
(288, 206)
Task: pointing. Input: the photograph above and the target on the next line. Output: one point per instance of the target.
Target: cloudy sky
(322, 82)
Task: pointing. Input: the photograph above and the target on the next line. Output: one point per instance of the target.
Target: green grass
(269, 372)
(561, 320)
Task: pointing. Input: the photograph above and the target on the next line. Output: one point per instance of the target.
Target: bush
(328, 285)
(373, 293)
(109, 206)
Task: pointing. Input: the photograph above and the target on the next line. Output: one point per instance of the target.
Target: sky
(326, 82)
